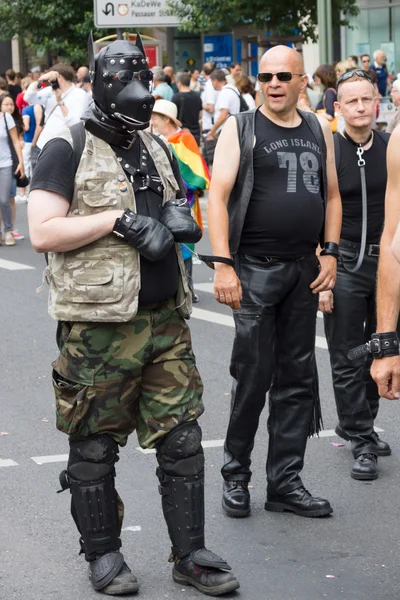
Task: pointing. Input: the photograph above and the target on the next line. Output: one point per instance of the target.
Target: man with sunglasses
(350, 308)
(273, 194)
(106, 204)
(365, 61)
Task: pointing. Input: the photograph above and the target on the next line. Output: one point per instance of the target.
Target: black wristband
(330, 249)
(124, 222)
(384, 344)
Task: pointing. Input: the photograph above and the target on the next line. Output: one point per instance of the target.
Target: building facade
(376, 27)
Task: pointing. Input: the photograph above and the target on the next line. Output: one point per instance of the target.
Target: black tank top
(350, 189)
(286, 211)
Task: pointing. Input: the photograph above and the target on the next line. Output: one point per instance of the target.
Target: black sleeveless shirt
(286, 211)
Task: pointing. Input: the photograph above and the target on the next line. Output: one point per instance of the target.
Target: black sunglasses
(352, 73)
(126, 76)
(284, 76)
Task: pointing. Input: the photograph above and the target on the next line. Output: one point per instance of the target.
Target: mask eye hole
(126, 76)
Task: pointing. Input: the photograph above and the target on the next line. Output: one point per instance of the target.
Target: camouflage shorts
(113, 378)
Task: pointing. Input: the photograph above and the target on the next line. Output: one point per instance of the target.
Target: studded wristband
(123, 223)
(380, 346)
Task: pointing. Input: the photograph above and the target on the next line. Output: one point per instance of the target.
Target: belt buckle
(373, 250)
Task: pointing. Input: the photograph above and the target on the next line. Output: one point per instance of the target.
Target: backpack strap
(78, 134)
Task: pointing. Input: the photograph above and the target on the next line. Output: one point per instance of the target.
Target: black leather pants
(351, 324)
(274, 349)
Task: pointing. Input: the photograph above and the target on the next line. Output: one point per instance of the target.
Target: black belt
(370, 249)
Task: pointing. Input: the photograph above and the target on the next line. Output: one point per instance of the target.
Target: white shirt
(228, 99)
(209, 96)
(75, 100)
(251, 103)
(5, 152)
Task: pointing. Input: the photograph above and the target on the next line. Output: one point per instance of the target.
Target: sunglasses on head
(352, 73)
(283, 76)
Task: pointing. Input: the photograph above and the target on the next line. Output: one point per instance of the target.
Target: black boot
(181, 475)
(123, 581)
(383, 447)
(365, 468)
(212, 581)
(94, 508)
(236, 498)
(299, 501)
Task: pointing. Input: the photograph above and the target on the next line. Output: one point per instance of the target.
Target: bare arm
(26, 120)
(209, 108)
(333, 216)
(227, 289)
(223, 115)
(38, 112)
(388, 296)
(17, 147)
(386, 371)
(51, 230)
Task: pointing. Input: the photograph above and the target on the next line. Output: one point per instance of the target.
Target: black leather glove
(150, 237)
(177, 216)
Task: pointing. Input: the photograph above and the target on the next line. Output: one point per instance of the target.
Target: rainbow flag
(193, 168)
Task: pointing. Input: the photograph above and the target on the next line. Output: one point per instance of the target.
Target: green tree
(58, 27)
(281, 17)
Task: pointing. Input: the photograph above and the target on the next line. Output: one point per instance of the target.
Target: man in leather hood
(105, 205)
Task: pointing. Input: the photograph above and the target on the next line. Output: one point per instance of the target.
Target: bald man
(80, 74)
(274, 194)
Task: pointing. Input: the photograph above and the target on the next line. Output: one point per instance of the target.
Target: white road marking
(326, 433)
(204, 443)
(132, 528)
(205, 287)
(227, 320)
(13, 266)
(55, 458)
(331, 433)
(6, 462)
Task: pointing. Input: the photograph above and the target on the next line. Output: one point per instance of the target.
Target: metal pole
(329, 37)
(322, 33)
(119, 33)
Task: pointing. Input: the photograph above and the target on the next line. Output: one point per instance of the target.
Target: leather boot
(196, 570)
(124, 581)
(236, 498)
(300, 502)
(383, 447)
(365, 468)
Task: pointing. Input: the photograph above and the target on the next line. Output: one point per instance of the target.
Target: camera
(54, 84)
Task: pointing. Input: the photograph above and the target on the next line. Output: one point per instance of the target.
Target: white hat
(168, 109)
(396, 85)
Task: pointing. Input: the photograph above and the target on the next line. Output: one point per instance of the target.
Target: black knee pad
(180, 452)
(94, 506)
(92, 458)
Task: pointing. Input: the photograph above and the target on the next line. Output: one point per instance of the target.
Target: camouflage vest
(101, 281)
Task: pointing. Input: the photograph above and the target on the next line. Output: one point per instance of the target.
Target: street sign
(137, 13)
(218, 48)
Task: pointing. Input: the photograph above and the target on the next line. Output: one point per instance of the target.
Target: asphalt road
(352, 555)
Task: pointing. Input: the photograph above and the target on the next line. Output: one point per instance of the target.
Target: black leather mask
(121, 82)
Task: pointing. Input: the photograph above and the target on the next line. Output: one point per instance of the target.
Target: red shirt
(20, 102)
